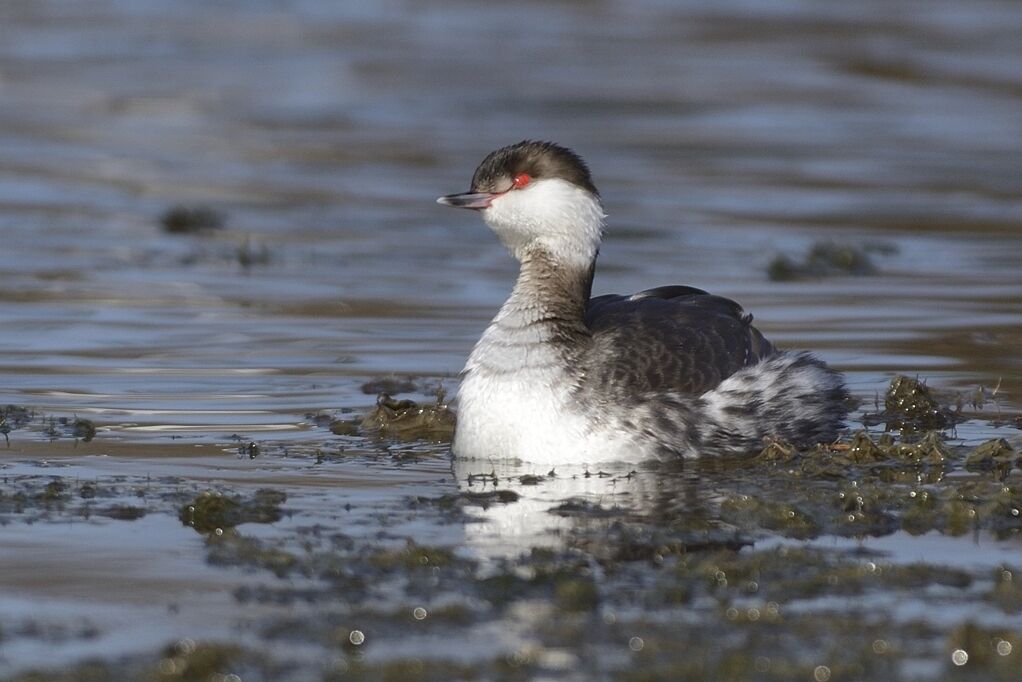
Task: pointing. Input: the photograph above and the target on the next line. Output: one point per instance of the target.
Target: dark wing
(673, 338)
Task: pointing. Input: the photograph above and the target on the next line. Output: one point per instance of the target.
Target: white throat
(566, 220)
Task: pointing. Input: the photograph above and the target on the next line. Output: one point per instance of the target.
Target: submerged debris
(825, 259)
(408, 420)
(191, 220)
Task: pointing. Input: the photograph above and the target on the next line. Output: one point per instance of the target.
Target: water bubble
(753, 614)
(871, 567)
(761, 664)
(880, 646)
(232, 678)
(419, 613)
(168, 666)
(186, 646)
(959, 657)
(636, 644)
(1004, 648)
(609, 618)
(821, 673)
(219, 531)
(357, 637)
(731, 613)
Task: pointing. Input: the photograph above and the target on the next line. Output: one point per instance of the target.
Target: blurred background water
(721, 135)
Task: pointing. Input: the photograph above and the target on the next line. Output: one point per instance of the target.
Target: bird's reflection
(600, 508)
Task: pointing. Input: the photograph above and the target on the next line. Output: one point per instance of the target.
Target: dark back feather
(669, 339)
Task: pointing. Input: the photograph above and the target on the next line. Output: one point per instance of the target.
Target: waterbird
(669, 372)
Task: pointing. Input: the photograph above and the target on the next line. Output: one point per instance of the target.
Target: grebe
(559, 377)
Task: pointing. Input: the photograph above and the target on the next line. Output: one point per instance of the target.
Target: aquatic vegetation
(994, 455)
(408, 420)
(84, 429)
(389, 385)
(824, 259)
(250, 253)
(739, 558)
(213, 512)
(910, 407)
(191, 220)
(13, 417)
(230, 548)
(411, 557)
(977, 653)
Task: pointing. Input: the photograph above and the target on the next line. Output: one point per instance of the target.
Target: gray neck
(550, 293)
(541, 327)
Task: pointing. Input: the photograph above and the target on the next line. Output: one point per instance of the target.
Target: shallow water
(721, 136)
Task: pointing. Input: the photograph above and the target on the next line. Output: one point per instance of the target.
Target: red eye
(521, 180)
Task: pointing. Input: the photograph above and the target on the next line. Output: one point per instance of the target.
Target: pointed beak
(473, 200)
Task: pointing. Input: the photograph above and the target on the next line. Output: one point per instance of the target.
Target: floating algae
(389, 385)
(191, 220)
(825, 259)
(909, 407)
(211, 512)
(994, 455)
(13, 417)
(408, 420)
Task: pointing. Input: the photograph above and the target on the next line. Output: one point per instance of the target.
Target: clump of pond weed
(389, 385)
(233, 549)
(212, 511)
(408, 420)
(83, 429)
(191, 220)
(786, 574)
(990, 654)
(994, 455)
(13, 417)
(909, 407)
(412, 556)
(249, 253)
(183, 661)
(428, 670)
(1006, 593)
(825, 259)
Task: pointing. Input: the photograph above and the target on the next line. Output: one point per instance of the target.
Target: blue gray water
(721, 135)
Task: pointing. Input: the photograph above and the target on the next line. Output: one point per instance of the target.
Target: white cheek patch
(566, 219)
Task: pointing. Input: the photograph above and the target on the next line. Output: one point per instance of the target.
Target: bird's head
(537, 194)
